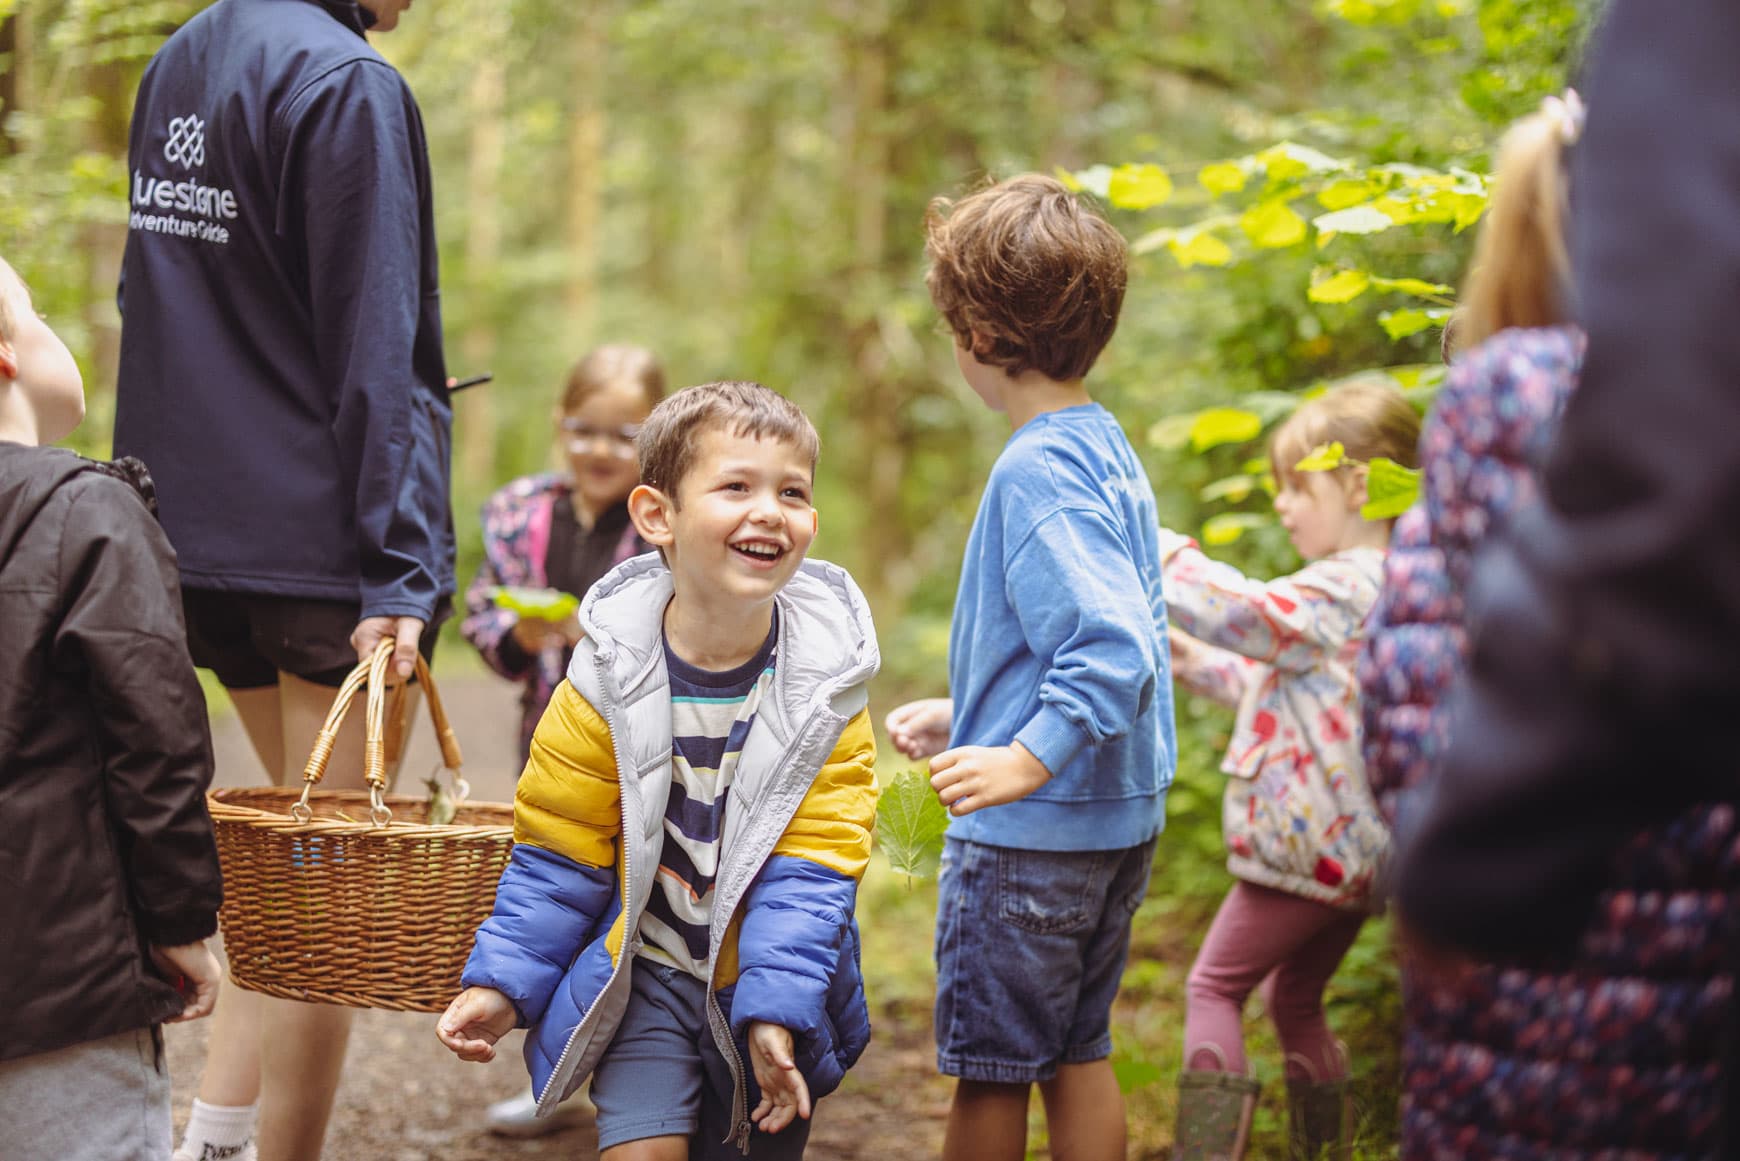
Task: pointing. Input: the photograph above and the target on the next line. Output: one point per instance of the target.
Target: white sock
(217, 1132)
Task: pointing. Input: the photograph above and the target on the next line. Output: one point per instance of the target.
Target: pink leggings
(1296, 945)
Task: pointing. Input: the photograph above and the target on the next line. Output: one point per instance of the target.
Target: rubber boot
(1319, 1120)
(1214, 1115)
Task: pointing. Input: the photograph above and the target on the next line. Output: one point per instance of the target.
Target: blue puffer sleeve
(546, 908)
(793, 931)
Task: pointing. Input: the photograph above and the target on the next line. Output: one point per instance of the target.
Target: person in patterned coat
(1611, 1048)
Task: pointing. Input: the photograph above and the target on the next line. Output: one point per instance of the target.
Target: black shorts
(247, 639)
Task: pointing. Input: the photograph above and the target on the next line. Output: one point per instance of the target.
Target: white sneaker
(518, 1116)
(244, 1153)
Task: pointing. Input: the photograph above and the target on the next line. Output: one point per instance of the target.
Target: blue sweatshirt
(281, 369)
(1059, 638)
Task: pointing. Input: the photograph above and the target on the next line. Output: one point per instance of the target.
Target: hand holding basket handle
(373, 674)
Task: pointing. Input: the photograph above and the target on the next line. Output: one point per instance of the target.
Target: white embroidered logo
(186, 145)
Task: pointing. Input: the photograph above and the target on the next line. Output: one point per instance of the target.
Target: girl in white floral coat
(1303, 835)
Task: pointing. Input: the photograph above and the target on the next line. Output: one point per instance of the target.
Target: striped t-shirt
(710, 716)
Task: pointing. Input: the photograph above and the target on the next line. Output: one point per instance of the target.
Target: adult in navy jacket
(282, 376)
(1605, 673)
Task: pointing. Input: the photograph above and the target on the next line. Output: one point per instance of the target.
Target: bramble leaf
(1232, 489)
(1199, 248)
(910, 821)
(1273, 225)
(1365, 219)
(1222, 177)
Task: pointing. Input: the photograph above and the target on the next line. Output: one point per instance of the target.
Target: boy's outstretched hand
(474, 1021)
(919, 729)
(784, 1094)
(969, 778)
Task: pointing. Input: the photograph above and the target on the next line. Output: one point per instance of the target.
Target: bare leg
(649, 1149)
(1084, 1109)
(987, 1122)
(263, 722)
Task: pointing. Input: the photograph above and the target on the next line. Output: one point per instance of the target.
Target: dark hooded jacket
(105, 755)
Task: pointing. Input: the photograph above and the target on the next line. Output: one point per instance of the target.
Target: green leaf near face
(1324, 457)
(1390, 489)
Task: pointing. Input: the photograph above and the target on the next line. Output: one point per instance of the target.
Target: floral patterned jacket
(1615, 1051)
(1297, 815)
(516, 540)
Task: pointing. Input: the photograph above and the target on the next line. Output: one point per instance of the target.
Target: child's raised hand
(784, 1094)
(969, 778)
(474, 1021)
(920, 728)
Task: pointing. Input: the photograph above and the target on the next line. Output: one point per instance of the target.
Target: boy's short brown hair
(669, 437)
(1029, 269)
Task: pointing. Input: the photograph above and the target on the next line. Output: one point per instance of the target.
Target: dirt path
(405, 1098)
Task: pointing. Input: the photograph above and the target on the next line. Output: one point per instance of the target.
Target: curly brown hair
(1027, 275)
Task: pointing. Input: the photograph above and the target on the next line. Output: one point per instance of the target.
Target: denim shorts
(1030, 948)
(663, 1075)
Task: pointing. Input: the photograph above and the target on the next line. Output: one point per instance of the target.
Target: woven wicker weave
(362, 904)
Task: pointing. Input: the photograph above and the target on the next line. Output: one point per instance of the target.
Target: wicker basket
(351, 897)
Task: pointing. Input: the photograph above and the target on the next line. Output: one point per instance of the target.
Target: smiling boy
(696, 813)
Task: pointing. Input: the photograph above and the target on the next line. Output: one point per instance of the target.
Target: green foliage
(910, 822)
(536, 604)
(1390, 489)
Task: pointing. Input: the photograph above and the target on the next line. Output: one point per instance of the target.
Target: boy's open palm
(474, 1021)
(969, 778)
(784, 1094)
(920, 728)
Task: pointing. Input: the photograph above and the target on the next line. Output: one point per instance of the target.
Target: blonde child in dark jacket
(104, 762)
(696, 813)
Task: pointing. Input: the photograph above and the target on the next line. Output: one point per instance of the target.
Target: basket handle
(372, 674)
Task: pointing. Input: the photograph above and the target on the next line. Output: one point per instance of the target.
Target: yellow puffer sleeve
(834, 822)
(568, 800)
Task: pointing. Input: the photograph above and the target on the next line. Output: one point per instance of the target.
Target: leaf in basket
(442, 808)
(910, 821)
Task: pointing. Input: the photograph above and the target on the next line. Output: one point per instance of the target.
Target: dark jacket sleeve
(353, 183)
(122, 631)
(1606, 625)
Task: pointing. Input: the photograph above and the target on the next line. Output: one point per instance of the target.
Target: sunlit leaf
(910, 821)
(1342, 286)
(1233, 489)
(1096, 179)
(1364, 219)
(1199, 248)
(1390, 489)
(1325, 457)
(1345, 192)
(1220, 425)
(1290, 159)
(535, 604)
(1138, 187)
(1173, 432)
(1222, 177)
(1273, 225)
(1399, 324)
(1227, 527)
(1069, 180)
(1411, 286)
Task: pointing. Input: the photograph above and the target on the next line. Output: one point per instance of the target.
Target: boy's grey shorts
(663, 1076)
(105, 1100)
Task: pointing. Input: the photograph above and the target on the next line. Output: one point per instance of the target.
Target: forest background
(740, 185)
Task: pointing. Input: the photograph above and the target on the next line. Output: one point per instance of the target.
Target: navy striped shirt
(710, 716)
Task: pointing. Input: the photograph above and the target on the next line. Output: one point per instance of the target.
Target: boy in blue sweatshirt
(1055, 752)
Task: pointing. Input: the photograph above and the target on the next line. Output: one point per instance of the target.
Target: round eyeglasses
(615, 441)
